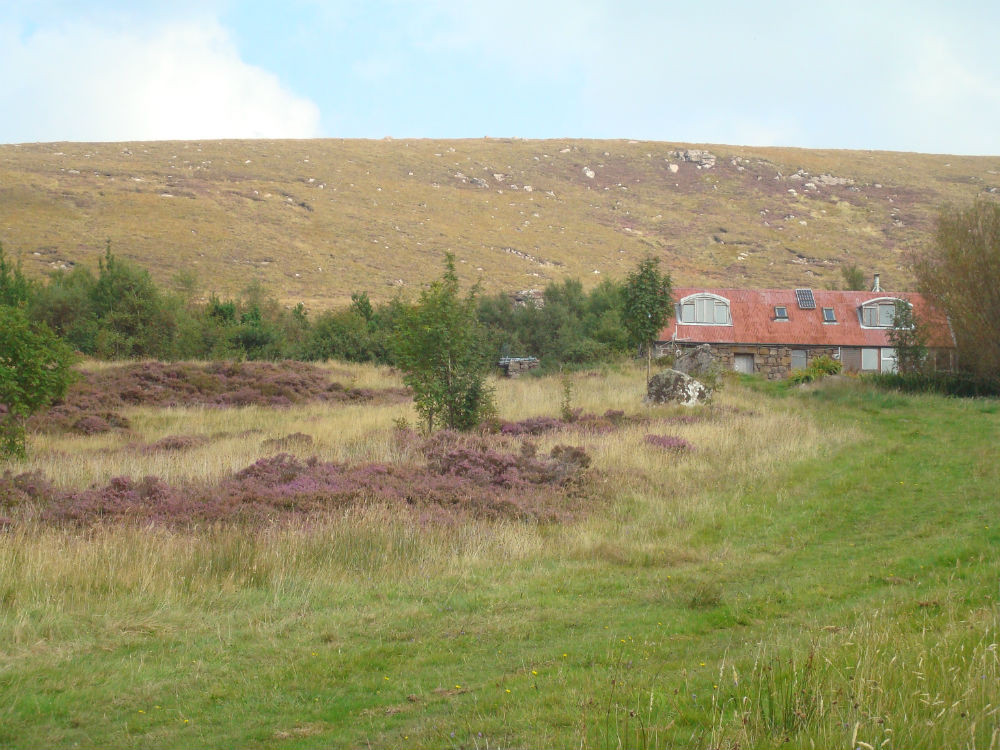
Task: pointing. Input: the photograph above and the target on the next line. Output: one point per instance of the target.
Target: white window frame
(876, 304)
(782, 318)
(699, 305)
(833, 315)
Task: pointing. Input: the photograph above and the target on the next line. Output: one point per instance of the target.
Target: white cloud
(183, 80)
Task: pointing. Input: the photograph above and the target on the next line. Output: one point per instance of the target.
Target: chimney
(876, 287)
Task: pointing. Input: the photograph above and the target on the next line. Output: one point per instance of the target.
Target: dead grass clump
(292, 442)
(174, 443)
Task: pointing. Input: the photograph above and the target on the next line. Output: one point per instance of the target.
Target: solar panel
(805, 299)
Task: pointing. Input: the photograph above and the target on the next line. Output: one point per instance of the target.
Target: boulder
(697, 361)
(674, 387)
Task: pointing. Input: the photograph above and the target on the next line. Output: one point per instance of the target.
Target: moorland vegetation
(316, 220)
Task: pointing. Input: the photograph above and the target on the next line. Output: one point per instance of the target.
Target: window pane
(886, 313)
(688, 312)
(781, 312)
(869, 359)
(828, 315)
(721, 312)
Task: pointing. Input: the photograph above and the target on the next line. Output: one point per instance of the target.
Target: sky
(873, 74)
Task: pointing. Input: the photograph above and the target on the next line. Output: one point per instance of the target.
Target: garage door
(743, 363)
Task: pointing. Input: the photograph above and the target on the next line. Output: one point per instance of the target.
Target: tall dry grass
(639, 495)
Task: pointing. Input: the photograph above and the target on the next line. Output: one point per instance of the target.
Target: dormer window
(704, 309)
(780, 312)
(879, 313)
(829, 316)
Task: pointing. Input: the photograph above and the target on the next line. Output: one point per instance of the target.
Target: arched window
(704, 309)
(880, 313)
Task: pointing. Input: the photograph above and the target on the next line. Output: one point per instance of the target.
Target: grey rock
(674, 387)
(696, 361)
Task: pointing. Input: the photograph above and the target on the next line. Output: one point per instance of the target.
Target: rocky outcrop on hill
(699, 157)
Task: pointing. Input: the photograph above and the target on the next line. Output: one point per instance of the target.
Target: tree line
(119, 312)
(443, 342)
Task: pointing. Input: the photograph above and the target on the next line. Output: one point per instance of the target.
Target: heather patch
(463, 478)
(610, 421)
(93, 404)
(172, 443)
(670, 443)
(451, 454)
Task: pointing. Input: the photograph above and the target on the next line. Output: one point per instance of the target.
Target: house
(775, 331)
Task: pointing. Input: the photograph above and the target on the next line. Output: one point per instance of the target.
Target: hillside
(315, 220)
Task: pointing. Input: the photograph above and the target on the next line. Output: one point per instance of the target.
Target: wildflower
(508, 690)
(701, 664)
(533, 672)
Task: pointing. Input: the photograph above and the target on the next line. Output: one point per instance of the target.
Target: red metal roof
(753, 319)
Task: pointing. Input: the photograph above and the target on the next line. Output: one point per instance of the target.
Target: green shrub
(34, 371)
(819, 367)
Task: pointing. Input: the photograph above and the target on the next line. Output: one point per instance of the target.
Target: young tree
(908, 338)
(15, 289)
(961, 272)
(34, 371)
(439, 346)
(647, 305)
(854, 278)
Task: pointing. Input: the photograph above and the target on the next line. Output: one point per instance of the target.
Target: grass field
(820, 570)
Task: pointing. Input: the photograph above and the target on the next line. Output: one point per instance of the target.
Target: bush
(34, 371)
(819, 367)
(439, 346)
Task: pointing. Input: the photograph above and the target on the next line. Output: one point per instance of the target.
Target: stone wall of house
(772, 361)
(775, 361)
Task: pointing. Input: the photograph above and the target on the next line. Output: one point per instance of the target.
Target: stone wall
(775, 361)
(772, 361)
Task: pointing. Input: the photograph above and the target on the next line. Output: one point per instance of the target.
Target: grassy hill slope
(315, 220)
